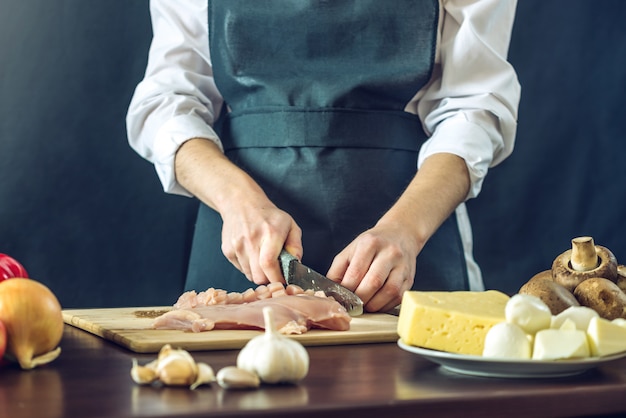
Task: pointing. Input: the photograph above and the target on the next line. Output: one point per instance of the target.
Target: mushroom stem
(584, 255)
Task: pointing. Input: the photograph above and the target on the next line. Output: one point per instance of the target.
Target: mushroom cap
(621, 277)
(603, 296)
(556, 296)
(566, 276)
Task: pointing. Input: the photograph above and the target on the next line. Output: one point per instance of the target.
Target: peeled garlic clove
(142, 375)
(205, 375)
(177, 368)
(232, 377)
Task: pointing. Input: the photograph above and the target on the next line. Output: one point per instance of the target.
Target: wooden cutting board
(131, 328)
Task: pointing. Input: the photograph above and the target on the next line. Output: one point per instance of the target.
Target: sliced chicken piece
(294, 314)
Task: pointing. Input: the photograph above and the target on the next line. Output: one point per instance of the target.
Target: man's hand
(379, 265)
(255, 230)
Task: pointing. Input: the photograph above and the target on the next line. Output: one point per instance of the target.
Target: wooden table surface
(91, 379)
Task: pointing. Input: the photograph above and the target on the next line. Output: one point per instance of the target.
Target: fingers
(383, 285)
(259, 266)
(358, 261)
(269, 266)
(270, 251)
(337, 270)
(260, 263)
(390, 294)
(239, 257)
(293, 243)
(376, 270)
(366, 268)
(254, 246)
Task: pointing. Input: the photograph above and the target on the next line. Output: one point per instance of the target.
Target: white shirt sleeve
(177, 100)
(468, 109)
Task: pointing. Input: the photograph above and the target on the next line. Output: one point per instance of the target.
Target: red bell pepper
(10, 267)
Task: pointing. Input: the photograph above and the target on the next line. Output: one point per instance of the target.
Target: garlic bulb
(274, 357)
(173, 367)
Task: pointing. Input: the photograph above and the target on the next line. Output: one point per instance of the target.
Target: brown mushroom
(603, 296)
(621, 277)
(555, 296)
(584, 261)
(546, 274)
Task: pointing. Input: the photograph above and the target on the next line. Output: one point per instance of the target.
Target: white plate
(489, 367)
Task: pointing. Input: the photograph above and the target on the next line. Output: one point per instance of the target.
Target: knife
(297, 273)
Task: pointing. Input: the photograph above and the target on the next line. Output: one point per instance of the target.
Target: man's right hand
(255, 230)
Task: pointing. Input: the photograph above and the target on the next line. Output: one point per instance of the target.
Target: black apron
(317, 91)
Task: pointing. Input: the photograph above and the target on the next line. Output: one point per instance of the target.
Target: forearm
(440, 185)
(469, 108)
(206, 172)
(254, 230)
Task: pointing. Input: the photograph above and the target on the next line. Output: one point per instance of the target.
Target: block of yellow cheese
(456, 322)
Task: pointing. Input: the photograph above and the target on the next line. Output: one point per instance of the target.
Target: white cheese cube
(555, 344)
(581, 315)
(606, 337)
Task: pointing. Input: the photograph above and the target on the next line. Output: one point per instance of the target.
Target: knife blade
(297, 273)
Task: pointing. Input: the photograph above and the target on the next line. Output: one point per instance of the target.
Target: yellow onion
(32, 316)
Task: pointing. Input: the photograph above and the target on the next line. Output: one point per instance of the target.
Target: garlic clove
(205, 375)
(143, 375)
(173, 367)
(232, 377)
(177, 368)
(165, 351)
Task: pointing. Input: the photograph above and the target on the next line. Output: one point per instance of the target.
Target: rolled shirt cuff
(460, 136)
(169, 138)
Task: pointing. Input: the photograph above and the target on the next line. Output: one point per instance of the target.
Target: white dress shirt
(469, 107)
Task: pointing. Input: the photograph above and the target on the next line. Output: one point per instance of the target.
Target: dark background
(87, 216)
